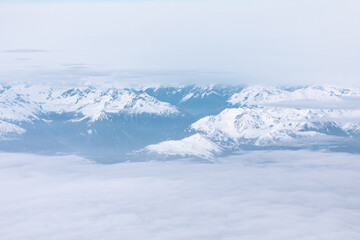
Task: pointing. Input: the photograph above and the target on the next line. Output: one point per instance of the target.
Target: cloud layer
(258, 195)
(268, 42)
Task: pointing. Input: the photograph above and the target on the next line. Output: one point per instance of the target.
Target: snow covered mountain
(26, 103)
(94, 120)
(196, 121)
(260, 95)
(277, 117)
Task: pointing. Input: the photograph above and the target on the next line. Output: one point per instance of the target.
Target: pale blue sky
(274, 41)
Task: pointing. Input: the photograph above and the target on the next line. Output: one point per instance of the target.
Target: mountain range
(111, 124)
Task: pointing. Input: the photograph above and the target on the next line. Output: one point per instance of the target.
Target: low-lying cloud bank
(257, 195)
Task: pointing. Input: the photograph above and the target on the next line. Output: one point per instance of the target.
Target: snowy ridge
(254, 126)
(261, 95)
(206, 120)
(200, 92)
(95, 104)
(24, 103)
(17, 106)
(263, 125)
(183, 94)
(255, 122)
(195, 145)
(9, 130)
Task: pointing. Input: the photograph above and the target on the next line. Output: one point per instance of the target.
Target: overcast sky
(239, 42)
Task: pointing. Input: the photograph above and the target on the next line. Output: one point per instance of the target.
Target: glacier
(196, 121)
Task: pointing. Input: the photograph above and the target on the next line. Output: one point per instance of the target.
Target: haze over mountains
(119, 124)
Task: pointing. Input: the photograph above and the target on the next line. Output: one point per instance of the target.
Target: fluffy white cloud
(259, 195)
(273, 41)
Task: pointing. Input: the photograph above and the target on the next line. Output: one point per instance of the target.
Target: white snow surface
(195, 145)
(264, 95)
(24, 103)
(277, 195)
(265, 125)
(263, 115)
(9, 128)
(200, 91)
(270, 115)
